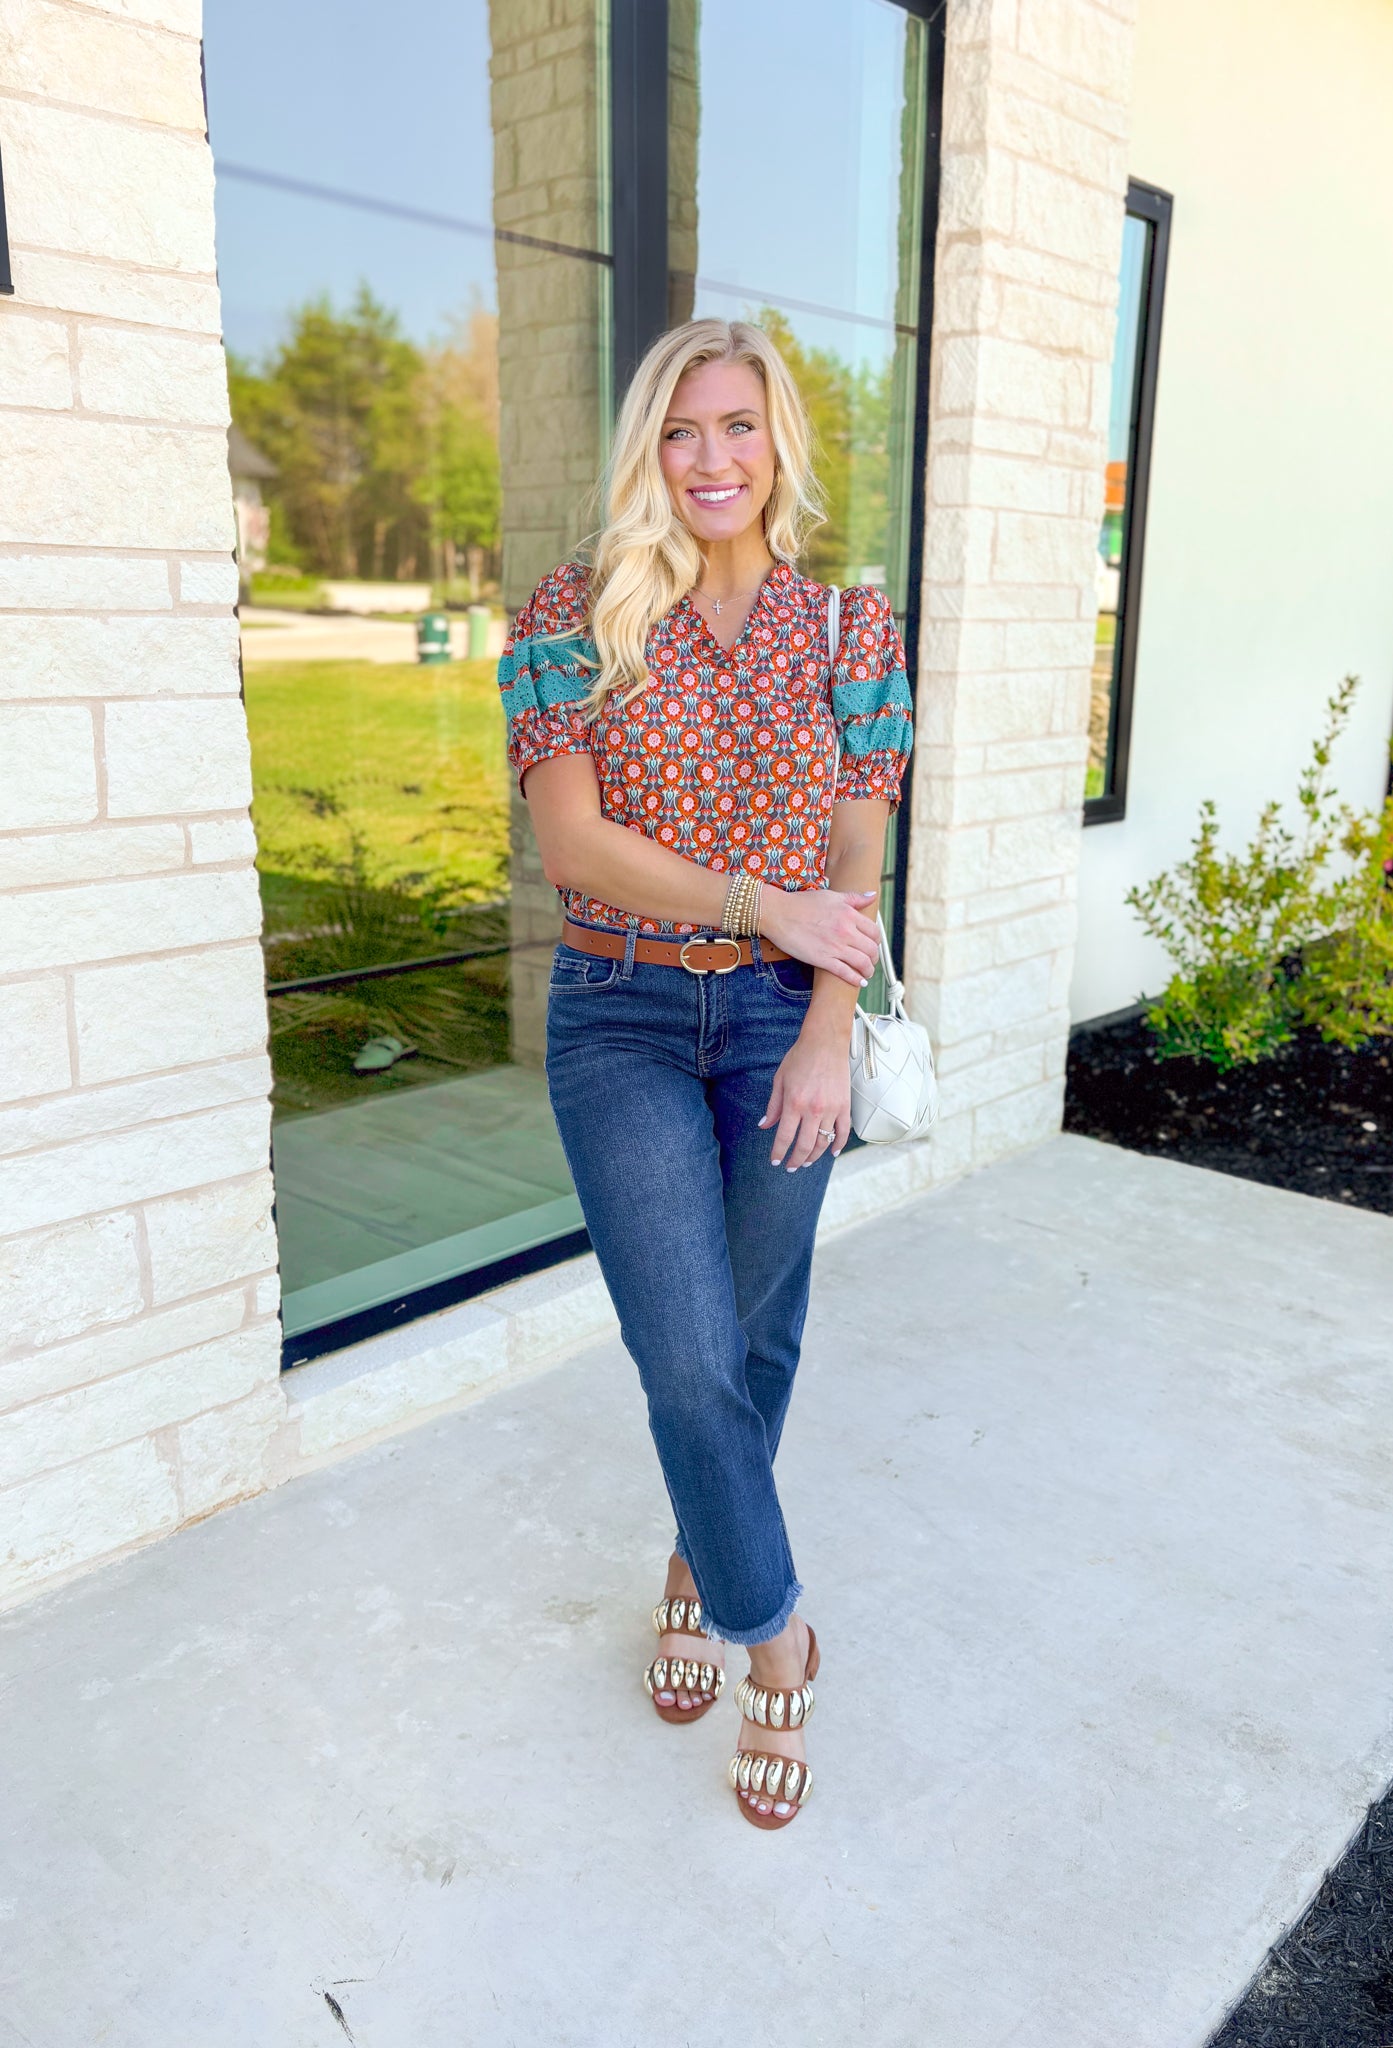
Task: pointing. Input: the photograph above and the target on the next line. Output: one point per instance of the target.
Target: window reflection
(413, 259)
(801, 208)
(413, 247)
(808, 221)
(1112, 540)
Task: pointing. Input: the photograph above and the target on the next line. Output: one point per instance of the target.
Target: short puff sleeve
(546, 671)
(870, 699)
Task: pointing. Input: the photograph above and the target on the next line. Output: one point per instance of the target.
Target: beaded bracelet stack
(740, 912)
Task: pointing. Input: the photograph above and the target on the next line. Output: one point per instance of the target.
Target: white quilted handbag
(894, 1090)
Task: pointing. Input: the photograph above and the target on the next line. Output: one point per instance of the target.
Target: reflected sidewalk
(269, 634)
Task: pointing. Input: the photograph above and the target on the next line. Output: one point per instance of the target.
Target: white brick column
(139, 1387)
(1034, 174)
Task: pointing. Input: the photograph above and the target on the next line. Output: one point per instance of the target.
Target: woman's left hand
(811, 1097)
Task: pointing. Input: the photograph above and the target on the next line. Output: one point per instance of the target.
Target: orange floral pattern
(728, 758)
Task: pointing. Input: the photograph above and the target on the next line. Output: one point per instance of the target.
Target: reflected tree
(386, 451)
(850, 407)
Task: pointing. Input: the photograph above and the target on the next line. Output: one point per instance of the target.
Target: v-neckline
(728, 653)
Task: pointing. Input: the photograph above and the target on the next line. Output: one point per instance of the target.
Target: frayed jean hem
(743, 1637)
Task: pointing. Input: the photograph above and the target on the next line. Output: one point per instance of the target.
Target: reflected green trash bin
(478, 631)
(433, 637)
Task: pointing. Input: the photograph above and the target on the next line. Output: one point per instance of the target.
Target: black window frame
(6, 278)
(1151, 204)
(934, 13)
(638, 85)
(639, 183)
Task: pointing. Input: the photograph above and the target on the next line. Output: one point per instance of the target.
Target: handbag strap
(834, 641)
(894, 987)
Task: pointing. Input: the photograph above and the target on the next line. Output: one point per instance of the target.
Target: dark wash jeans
(658, 1079)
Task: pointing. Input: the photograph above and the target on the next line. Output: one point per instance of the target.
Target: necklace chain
(716, 602)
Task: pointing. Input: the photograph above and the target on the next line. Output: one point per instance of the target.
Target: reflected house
(1110, 539)
(1108, 577)
(249, 469)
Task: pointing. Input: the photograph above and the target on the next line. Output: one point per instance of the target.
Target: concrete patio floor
(1088, 1480)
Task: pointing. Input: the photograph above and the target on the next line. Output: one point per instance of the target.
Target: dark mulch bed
(1301, 1119)
(1329, 1983)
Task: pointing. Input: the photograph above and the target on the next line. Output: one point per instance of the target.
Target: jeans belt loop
(630, 941)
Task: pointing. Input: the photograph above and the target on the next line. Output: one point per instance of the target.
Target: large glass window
(420, 282)
(413, 251)
(809, 220)
(1136, 351)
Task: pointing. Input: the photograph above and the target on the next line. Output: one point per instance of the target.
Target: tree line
(386, 450)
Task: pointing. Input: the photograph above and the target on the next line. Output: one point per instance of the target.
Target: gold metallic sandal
(781, 1778)
(679, 1617)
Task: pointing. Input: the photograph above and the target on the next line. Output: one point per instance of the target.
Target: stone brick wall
(683, 152)
(138, 1332)
(553, 374)
(1034, 174)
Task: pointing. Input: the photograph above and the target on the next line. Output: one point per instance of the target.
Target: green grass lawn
(288, 593)
(381, 808)
(406, 761)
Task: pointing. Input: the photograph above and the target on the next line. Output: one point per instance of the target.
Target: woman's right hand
(826, 927)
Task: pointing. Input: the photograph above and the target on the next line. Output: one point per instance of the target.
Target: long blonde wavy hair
(645, 557)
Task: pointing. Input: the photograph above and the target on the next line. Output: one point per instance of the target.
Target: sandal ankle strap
(678, 1617)
(774, 1706)
(776, 1777)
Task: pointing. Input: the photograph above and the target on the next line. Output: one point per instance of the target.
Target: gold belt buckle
(734, 945)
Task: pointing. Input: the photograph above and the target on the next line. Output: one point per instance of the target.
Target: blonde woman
(675, 724)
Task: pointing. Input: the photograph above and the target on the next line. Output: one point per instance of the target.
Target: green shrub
(1346, 984)
(1296, 929)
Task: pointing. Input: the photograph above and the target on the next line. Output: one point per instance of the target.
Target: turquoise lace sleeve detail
(875, 716)
(538, 673)
(544, 677)
(871, 700)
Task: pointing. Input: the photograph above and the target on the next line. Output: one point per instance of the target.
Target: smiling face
(716, 450)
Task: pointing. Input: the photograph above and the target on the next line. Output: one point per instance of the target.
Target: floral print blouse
(729, 758)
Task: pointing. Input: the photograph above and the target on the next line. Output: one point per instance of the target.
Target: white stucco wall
(1269, 550)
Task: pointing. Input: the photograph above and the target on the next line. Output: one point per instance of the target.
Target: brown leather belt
(724, 954)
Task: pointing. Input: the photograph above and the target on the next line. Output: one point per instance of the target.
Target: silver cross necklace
(716, 602)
